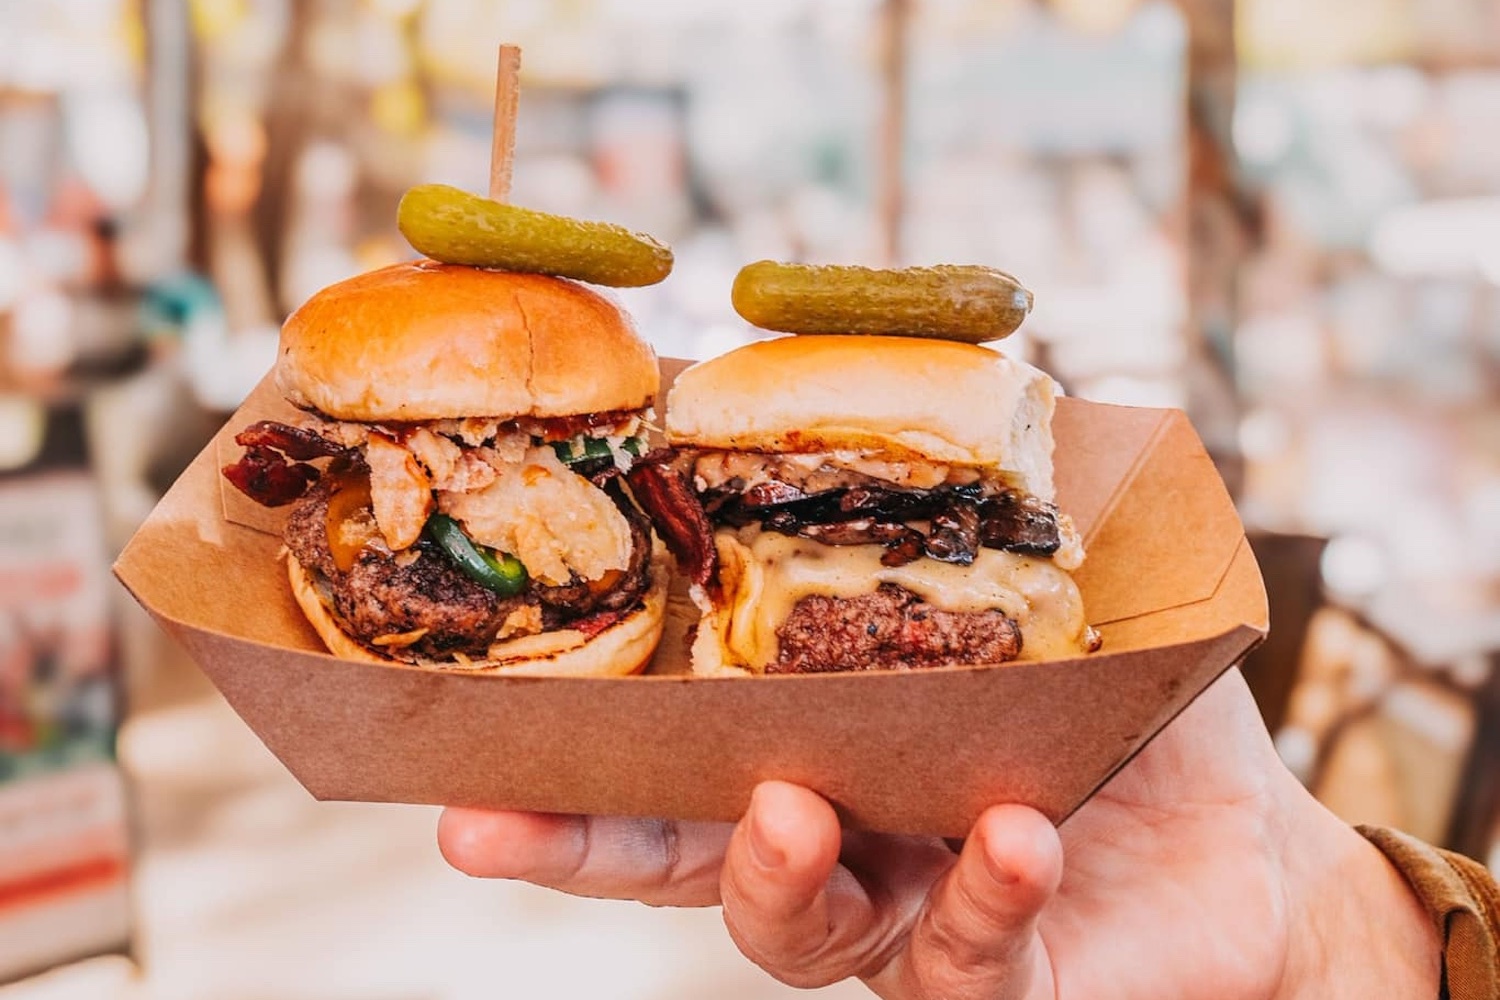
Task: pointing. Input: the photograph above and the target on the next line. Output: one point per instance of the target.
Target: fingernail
(765, 853)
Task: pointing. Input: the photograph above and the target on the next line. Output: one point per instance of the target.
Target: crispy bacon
(264, 473)
(294, 442)
(266, 477)
(666, 497)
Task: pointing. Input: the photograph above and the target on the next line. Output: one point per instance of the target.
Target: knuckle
(952, 943)
(798, 967)
(577, 858)
(668, 874)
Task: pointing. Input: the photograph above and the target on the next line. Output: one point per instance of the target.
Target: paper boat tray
(1169, 581)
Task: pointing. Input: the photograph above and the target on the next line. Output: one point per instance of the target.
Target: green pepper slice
(592, 448)
(497, 571)
(584, 449)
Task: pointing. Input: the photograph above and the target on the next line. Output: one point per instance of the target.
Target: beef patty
(381, 596)
(891, 629)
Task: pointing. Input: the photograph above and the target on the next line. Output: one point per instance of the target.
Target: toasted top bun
(427, 341)
(896, 397)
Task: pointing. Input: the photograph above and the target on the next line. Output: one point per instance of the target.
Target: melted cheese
(765, 574)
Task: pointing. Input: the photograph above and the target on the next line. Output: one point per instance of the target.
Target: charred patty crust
(386, 595)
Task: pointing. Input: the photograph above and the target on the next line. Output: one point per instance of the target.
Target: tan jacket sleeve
(1464, 901)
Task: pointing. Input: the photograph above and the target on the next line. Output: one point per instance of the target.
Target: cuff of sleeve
(1464, 902)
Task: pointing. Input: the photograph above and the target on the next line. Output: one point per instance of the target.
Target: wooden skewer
(507, 98)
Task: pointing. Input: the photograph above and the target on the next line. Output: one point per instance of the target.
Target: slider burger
(471, 512)
(869, 502)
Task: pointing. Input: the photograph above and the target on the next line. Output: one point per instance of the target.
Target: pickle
(456, 227)
(948, 302)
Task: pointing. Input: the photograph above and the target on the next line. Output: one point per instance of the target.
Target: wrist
(1355, 927)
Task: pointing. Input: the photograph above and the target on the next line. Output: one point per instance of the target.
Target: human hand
(1202, 870)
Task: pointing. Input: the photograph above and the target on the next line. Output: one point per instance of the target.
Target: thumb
(976, 937)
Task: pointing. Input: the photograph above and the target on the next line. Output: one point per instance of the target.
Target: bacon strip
(266, 477)
(669, 501)
(294, 442)
(263, 473)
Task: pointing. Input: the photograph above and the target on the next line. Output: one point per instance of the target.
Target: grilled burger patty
(381, 595)
(891, 629)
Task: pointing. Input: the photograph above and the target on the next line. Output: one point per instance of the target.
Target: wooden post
(1222, 222)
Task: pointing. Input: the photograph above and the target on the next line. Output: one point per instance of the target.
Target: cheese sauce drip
(764, 575)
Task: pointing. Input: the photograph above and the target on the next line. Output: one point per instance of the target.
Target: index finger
(659, 862)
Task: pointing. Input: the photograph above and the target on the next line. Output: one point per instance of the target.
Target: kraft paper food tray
(1169, 581)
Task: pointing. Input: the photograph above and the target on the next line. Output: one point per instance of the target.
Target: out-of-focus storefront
(1368, 362)
(1294, 233)
(73, 156)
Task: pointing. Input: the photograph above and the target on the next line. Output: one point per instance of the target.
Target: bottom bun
(621, 649)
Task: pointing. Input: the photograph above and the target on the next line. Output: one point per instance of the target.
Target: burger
(859, 503)
(455, 484)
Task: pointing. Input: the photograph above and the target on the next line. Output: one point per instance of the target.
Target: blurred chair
(1289, 564)
(1475, 827)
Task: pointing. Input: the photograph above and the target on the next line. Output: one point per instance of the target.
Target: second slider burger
(472, 514)
(852, 503)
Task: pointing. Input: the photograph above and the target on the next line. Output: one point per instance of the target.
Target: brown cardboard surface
(1169, 578)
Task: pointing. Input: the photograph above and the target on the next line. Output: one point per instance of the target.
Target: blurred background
(1281, 215)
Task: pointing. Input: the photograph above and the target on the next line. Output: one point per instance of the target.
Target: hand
(1202, 870)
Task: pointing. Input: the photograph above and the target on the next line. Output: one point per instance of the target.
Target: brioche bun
(895, 397)
(429, 341)
(622, 649)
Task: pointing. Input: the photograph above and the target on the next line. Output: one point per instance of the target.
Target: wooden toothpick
(507, 98)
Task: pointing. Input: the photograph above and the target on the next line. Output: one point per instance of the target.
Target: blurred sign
(64, 850)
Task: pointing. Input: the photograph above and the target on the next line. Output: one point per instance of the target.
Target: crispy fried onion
(557, 523)
(399, 490)
(400, 640)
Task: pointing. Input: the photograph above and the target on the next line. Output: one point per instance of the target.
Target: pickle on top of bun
(866, 502)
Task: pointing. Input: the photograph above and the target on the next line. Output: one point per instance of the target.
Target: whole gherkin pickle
(949, 302)
(456, 227)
